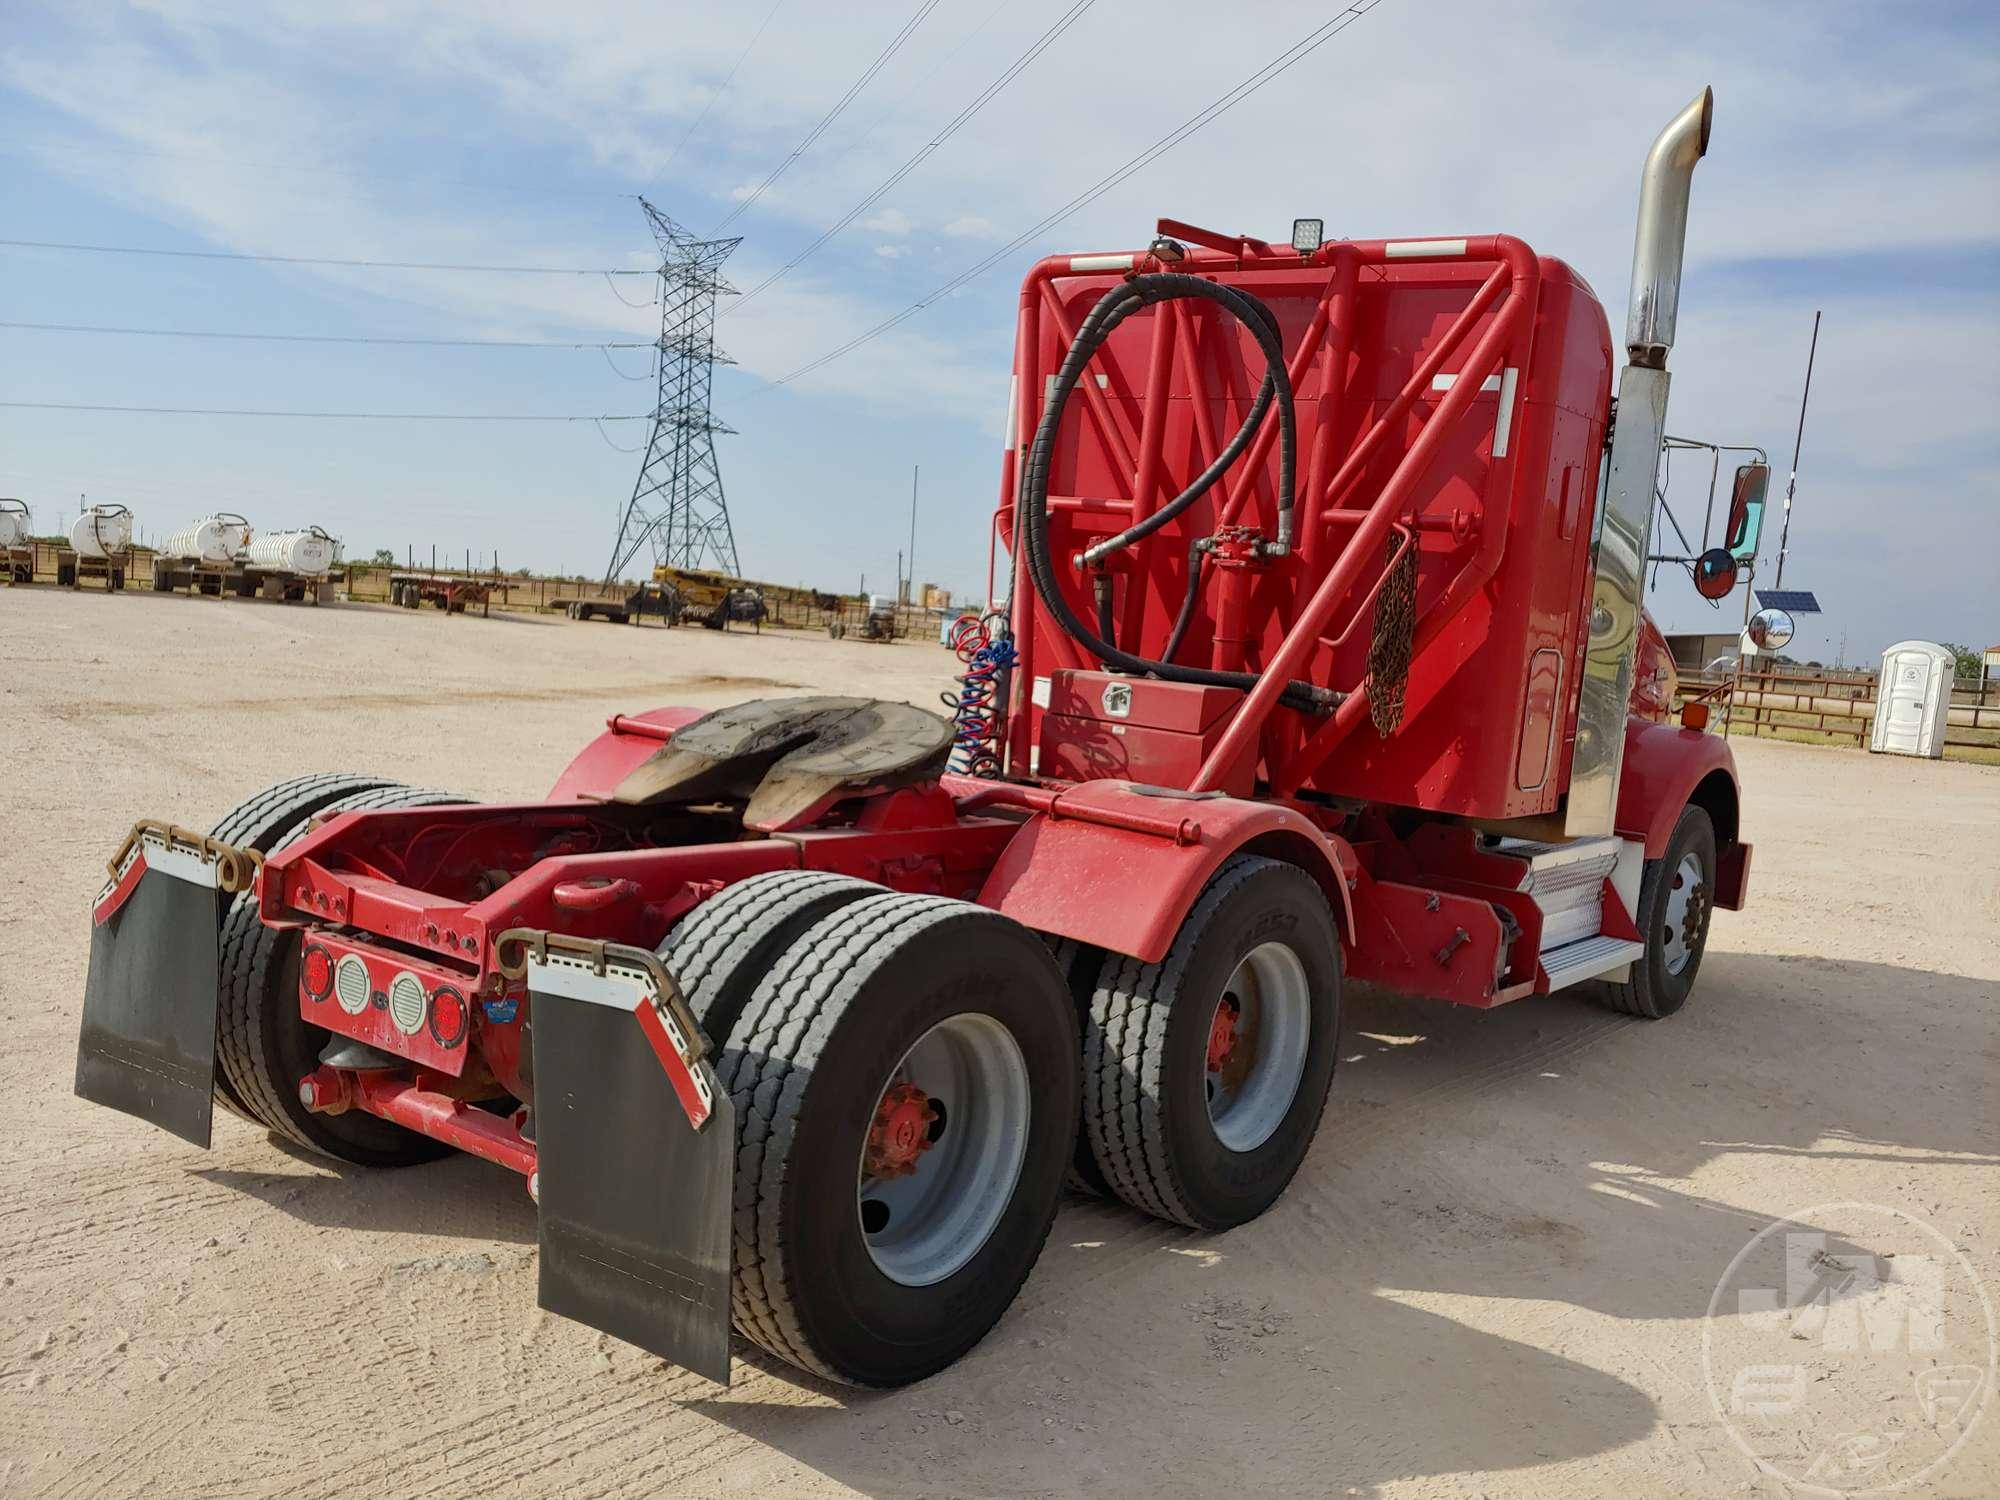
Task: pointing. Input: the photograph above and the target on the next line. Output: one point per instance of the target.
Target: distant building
(1694, 651)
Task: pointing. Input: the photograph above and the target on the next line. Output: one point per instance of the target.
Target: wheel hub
(1686, 917)
(1222, 1033)
(901, 1132)
(1257, 1044)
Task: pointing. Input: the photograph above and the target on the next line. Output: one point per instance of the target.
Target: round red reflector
(316, 971)
(449, 1015)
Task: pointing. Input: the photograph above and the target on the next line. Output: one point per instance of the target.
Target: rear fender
(1128, 892)
(626, 743)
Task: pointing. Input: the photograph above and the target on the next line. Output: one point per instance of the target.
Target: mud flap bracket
(637, 1150)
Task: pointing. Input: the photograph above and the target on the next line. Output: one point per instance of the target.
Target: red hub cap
(901, 1132)
(1222, 1033)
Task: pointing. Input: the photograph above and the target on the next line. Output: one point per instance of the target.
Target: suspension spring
(979, 701)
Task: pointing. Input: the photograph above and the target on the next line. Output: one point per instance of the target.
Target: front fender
(1128, 892)
(1664, 767)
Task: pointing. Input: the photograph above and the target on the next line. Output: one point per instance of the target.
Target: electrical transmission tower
(677, 503)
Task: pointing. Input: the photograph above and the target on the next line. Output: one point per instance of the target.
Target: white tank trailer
(310, 553)
(17, 543)
(215, 540)
(102, 531)
(13, 524)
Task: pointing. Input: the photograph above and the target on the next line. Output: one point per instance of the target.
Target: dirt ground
(1488, 1279)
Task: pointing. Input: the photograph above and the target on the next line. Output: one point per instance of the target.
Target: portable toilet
(1913, 699)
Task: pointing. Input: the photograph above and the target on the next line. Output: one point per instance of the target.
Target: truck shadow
(460, 1196)
(1536, 1155)
(1488, 1188)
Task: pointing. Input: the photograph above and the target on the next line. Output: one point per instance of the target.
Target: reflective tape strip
(690, 1084)
(1505, 423)
(574, 980)
(1421, 249)
(1118, 262)
(181, 864)
(1013, 413)
(117, 892)
(1504, 383)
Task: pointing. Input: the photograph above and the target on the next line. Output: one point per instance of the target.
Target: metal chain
(1395, 633)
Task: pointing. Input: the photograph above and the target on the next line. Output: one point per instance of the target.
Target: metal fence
(1835, 707)
(798, 609)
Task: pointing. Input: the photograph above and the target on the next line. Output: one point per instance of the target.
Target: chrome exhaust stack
(1619, 561)
(1662, 232)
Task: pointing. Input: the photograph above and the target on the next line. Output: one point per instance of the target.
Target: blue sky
(1855, 168)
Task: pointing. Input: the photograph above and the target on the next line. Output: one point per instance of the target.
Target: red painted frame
(1106, 862)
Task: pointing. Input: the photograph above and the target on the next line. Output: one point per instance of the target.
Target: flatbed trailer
(451, 593)
(659, 600)
(796, 1016)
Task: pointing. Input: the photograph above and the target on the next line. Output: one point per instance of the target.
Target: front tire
(1205, 1074)
(1676, 900)
(897, 1172)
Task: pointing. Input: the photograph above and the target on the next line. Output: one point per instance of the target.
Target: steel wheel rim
(1685, 921)
(925, 1226)
(1250, 1094)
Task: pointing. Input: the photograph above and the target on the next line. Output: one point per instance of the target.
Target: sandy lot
(1489, 1279)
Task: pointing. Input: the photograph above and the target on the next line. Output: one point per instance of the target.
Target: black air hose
(1031, 527)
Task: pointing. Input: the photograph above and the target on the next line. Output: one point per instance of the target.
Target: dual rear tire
(906, 1074)
(263, 1045)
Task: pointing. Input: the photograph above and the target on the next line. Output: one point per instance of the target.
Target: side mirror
(1714, 574)
(1746, 511)
(1770, 630)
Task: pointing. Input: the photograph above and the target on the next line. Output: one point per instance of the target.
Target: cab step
(1590, 958)
(1567, 882)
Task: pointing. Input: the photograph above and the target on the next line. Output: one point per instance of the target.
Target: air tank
(13, 523)
(102, 531)
(310, 552)
(213, 539)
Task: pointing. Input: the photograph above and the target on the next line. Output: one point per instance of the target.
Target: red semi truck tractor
(1324, 661)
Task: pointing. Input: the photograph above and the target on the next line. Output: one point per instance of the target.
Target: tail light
(316, 971)
(449, 1015)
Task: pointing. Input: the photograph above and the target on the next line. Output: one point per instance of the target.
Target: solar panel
(1793, 601)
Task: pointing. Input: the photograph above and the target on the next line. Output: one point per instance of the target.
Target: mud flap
(637, 1153)
(148, 1040)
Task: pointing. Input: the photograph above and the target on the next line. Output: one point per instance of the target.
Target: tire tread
(769, 1062)
(249, 952)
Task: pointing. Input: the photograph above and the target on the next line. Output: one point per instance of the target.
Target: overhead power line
(1304, 47)
(343, 416)
(950, 128)
(331, 338)
(69, 150)
(713, 99)
(840, 105)
(321, 260)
